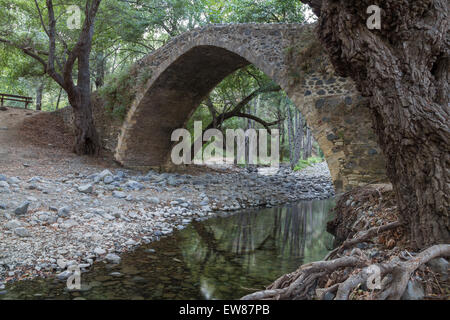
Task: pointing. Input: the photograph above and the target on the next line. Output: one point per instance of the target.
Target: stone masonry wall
(181, 74)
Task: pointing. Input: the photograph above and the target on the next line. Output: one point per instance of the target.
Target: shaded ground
(32, 141)
(45, 130)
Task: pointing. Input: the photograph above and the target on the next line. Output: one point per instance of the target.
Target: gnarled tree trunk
(403, 68)
(87, 140)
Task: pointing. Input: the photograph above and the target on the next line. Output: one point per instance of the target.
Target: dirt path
(34, 143)
(31, 144)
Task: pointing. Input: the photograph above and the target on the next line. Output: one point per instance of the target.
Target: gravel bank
(49, 224)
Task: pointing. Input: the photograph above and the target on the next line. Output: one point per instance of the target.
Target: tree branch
(27, 50)
(40, 17)
(259, 120)
(52, 47)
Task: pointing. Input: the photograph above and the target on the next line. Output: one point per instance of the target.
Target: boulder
(414, 291)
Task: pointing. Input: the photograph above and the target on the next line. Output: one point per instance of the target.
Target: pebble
(22, 209)
(4, 184)
(87, 188)
(14, 180)
(108, 179)
(13, 224)
(64, 275)
(104, 174)
(153, 200)
(22, 232)
(64, 212)
(112, 258)
(119, 194)
(99, 251)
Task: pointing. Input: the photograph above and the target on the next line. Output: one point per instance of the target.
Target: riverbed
(224, 257)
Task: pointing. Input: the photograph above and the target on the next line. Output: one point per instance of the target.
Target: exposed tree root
(399, 271)
(394, 277)
(298, 285)
(370, 247)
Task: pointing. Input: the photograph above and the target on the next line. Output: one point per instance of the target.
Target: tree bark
(307, 149)
(59, 99)
(99, 70)
(298, 143)
(87, 140)
(291, 136)
(404, 69)
(280, 120)
(39, 91)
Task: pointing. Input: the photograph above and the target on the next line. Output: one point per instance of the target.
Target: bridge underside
(185, 71)
(171, 101)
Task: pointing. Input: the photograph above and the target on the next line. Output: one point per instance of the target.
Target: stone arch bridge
(181, 74)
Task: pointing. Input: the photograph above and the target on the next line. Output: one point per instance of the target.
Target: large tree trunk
(87, 140)
(79, 94)
(86, 137)
(404, 69)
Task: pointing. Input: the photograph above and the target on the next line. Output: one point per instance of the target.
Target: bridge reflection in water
(221, 258)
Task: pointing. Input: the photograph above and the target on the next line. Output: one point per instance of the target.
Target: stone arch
(185, 70)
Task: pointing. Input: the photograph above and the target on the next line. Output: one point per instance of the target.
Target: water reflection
(234, 255)
(220, 258)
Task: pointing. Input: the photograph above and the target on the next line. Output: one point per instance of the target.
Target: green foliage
(244, 11)
(143, 77)
(302, 164)
(124, 32)
(118, 93)
(120, 89)
(319, 150)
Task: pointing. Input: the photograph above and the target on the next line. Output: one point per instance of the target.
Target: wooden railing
(11, 97)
